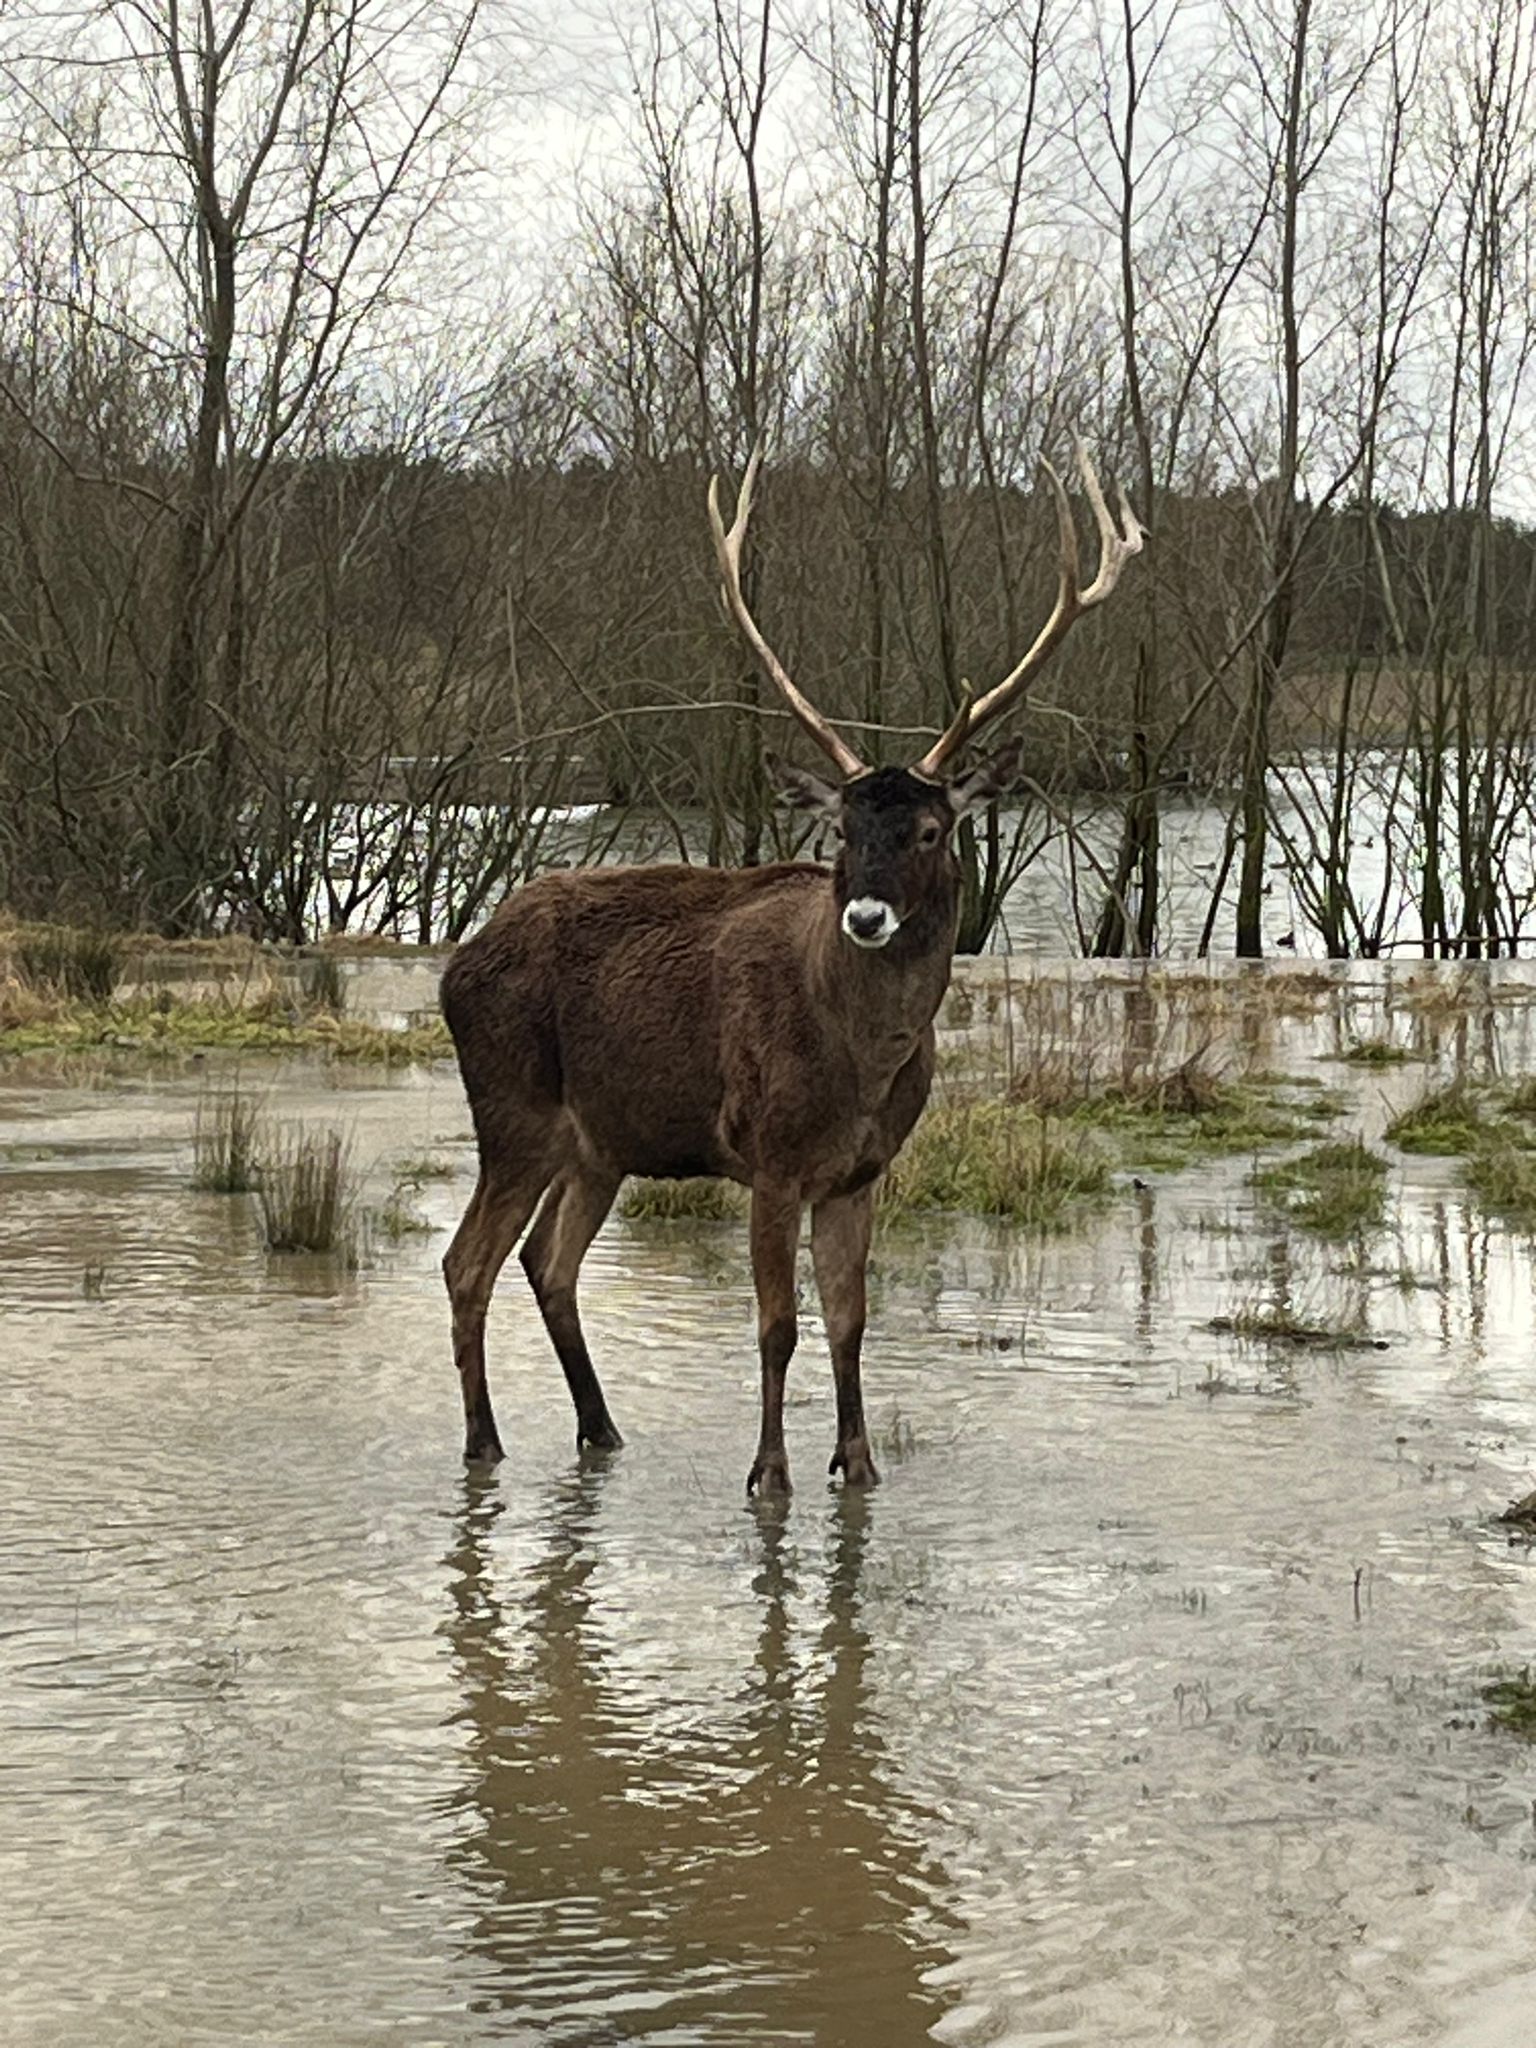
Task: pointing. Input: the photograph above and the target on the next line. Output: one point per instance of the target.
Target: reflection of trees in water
(618, 1899)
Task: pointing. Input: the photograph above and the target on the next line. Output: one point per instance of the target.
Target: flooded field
(1142, 1703)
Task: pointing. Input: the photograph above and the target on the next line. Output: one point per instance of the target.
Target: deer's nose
(869, 922)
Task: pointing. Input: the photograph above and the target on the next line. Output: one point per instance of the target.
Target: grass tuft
(1271, 1324)
(307, 1193)
(700, 1200)
(399, 1217)
(321, 980)
(1335, 1190)
(1444, 1120)
(226, 1143)
(894, 1440)
(996, 1159)
(1502, 1178)
(1377, 1052)
(78, 963)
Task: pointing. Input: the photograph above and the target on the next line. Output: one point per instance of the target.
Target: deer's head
(896, 861)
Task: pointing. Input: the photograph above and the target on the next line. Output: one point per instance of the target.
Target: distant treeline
(433, 640)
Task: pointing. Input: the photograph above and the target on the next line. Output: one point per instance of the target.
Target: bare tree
(263, 177)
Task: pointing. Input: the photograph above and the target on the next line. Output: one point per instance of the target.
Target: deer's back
(598, 991)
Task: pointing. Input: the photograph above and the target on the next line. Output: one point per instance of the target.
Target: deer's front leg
(775, 1231)
(840, 1247)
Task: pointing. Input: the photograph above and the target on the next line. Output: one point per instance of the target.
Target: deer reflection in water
(746, 1875)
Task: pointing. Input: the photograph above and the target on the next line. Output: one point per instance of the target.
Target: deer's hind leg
(578, 1200)
(496, 1218)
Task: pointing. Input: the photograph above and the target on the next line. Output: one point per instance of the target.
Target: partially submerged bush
(308, 1192)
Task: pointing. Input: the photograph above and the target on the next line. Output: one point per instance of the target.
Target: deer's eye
(930, 834)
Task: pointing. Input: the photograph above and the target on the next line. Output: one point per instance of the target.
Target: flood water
(1140, 1704)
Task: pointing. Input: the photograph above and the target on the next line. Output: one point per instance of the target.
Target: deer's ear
(986, 780)
(803, 791)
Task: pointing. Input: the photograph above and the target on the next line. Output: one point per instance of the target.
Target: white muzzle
(870, 922)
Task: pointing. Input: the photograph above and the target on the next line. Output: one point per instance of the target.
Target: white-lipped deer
(773, 1025)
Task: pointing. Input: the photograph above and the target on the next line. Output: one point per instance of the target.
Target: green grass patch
(1448, 1120)
(1377, 1052)
(1501, 1176)
(1167, 1134)
(399, 1218)
(1335, 1190)
(162, 1027)
(1512, 1701)
(997, 1159)
(1163, 1121)
(673, 1201)
(417, 1168)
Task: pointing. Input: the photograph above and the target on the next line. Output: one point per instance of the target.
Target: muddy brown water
(1140, 1704)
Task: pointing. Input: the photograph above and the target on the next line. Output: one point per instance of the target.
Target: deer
(771, 1025)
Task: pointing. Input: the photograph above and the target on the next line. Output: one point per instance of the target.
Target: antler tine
(1117, 543)
(1118, 539)
(728, 555)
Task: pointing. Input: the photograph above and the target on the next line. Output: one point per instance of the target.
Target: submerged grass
(307, 1192)
(1335, 1190)
(1270, 1323)
(1512, 1699)
(399, 1217)
(1167, 1126)
(996, 1159)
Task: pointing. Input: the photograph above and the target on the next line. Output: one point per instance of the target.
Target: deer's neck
(884, 1000)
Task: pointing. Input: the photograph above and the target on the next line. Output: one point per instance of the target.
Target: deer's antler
(728, 554)
(1118, 541)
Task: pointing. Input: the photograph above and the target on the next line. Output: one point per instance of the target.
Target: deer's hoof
(856, 1465)
(769, 1479)
(483, 1451)
(599, 1435)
